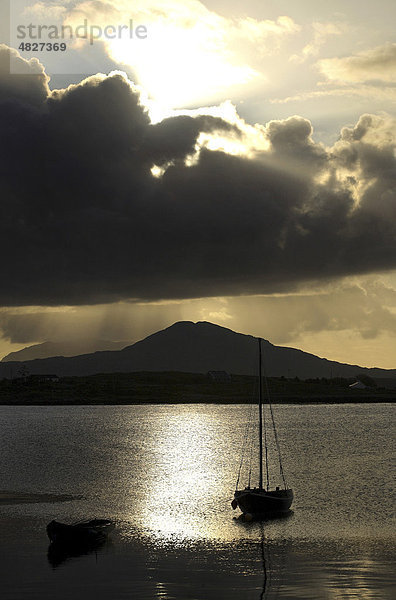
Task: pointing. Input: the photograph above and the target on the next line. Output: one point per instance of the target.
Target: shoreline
(148, 402)
(182, 388)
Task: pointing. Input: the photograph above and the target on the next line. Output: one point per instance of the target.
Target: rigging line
(278, 448)
(243, 454)
(266, 450)
(282, 474)
(251, 434)
(244, 445)
(251, 444)
(251, 457)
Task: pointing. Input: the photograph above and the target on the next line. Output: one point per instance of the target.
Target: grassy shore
(149, 387)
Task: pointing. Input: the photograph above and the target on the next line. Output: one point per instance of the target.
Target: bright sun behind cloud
(178, 67)
(190, 54)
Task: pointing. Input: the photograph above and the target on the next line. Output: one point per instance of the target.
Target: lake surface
(167, 474)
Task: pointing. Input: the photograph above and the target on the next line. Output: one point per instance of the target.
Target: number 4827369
(42, 47)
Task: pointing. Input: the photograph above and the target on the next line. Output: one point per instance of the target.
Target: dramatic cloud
(376, 64)
(363, 306)
(31, 88)
(83, 219)
(180, 51)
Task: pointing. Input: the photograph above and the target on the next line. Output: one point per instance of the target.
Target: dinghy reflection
(59, 553)
(76, 539)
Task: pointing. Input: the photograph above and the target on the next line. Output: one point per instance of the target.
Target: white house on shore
(358, 385)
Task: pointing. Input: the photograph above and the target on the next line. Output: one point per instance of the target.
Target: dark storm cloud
(32, 88)
(291, 142)
(175, 138)
(24, 328)
(84, 221)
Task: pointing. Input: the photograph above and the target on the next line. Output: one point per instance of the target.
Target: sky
(222, 161)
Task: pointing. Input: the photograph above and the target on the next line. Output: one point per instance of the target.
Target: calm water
(167, 474)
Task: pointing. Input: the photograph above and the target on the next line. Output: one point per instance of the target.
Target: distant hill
(73, 348)
(195, 348)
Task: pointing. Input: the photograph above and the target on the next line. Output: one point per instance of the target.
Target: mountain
(195, 348)
(73, 348)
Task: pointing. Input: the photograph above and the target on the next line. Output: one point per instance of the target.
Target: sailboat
(263, 501)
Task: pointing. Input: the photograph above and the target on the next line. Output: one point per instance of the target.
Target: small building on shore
(45, 378)
(358, 385)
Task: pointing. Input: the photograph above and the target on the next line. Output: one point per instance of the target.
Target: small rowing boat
(81, 532)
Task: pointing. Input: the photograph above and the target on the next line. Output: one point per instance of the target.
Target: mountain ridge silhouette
(196, 348)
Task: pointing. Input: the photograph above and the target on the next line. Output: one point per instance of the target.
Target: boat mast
(260, 418)
(262, 424)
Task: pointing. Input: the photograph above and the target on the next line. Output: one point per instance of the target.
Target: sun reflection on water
(184, 477)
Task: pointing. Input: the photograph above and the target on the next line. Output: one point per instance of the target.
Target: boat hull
(82, 533)
(258, 502)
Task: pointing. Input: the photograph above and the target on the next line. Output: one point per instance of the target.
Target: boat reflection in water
(272, 554)
(77, 539)
(59, 553)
